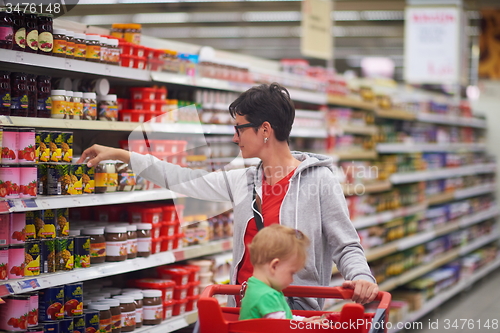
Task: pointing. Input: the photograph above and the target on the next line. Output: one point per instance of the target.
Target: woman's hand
(98, 153)
(364, 291)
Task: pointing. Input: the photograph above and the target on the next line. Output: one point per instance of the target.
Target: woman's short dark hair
(269, 103)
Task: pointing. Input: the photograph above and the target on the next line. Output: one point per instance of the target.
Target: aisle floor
(480, 302)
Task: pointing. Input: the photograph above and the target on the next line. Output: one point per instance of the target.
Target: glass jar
(116, 313)
(31, 33)
(93, 48)
(45, 38)
(78, 105)
(44, 100)
(104, 316)
(97, 244)
(113, 51)
(19, 94)
(6, 30)
(143, 239)
(5, 93)
(70, 44)
(31, 86)
(138, 297)
(89, 106)
(108, 108)
(131, 241)
(132, 33)
(117, 30)
(19, 25)
(116, 243)
(80, 46)
(152, 307)
(60, 43)
(127, 306)
(58, 98)
(69, 113)
(103, 41)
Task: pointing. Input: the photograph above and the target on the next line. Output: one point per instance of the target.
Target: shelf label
(29, 284)
(5, 206)
(6, 289)
(5, 120)
(29, 203)
(67, 64)
(19, 57)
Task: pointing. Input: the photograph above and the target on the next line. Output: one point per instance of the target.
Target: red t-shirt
(272, 197)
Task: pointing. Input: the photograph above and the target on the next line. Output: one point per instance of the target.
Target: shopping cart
(351, 319)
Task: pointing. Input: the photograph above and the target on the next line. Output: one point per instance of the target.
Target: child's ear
(274, 264)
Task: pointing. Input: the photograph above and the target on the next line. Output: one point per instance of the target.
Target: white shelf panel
(476, 244)
(23, 285)
(466, 221)
(371, 220)
(303, 132)
(475, 190)
(350, 102)
(451, 120)
(411, 177)
(442, 297)
(394, 148)
(71, 65)
(353, 129)
(307, 96)
(71, 201)
(172, 324)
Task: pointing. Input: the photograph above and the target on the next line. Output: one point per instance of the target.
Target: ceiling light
(105, 19)
(161, 18)
(271, 16)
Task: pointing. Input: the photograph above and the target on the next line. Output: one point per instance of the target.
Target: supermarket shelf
(443, 296)
(70, 201)
(308, 97)
(360, 189)
(319, 133)
(440, 198)
(28, 284)
(71, 65)
(355, 154)
(172, 324)
(395, 114)
(395, 148)
(417, 176)
(353, 129)
(461, 194)
(468, 220)
(371, 220)
(438, 262)
(451, 120)
(350, 102)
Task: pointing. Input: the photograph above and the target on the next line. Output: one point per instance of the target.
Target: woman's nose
(236, 138)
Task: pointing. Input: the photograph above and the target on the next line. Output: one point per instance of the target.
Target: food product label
(89, 111)
(28, 178)
(64, 253)
(20, 37)
(78, 110)
(101, 179)
(115, 249)
(6, 33)
(4, 229)
(16, 262)
(32, 259)
(79, 325)
(73, 295)
(59, 46)
(138, 315)
(153, 312)
(132, 246)
(9, 147)
(27, 153)
(33, 314)
(81, 50)
(4, 264)
(13, 315)
(62, 215)
(58, 108)
(51, 304)
(128, 318)
(108, 112)
(32, 39)
(30, 229)
(45, 41)
(92, 320)
(82, 252)
(168, 313)
(94, 52)
(9, 182)
(5, 100)
(97, 250)
(144, 244)
(104, 325)
(70, 49)
(44, 104)
(19, 102)
(116, 321)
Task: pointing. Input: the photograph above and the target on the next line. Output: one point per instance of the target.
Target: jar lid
(135, 295)
(96, 38)
(81, 36)
(70, 33)
(113, 42)
(108, 98)
(131, 291)
(144, 226)
(73, 232)
(112, 291)
(131, 227)
(69, 93)
(90, 95)
(77, 94)
(99, 306)
(103, 40)
(58, 92)
(124, 299)
(109, 301)
(59, 31)
(152, 293)
(102, 86)
(115, 230)
(93, 231)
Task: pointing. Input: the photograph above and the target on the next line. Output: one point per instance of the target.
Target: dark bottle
(5, 93)
(44, 104)
(6, 30)
(19, 25)
(31, 86)
(45, 38)
(31, 33)
(19, 95)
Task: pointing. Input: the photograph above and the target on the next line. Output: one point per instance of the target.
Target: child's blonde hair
(277, 241)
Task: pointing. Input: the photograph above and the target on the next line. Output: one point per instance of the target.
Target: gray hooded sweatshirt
(314, 204)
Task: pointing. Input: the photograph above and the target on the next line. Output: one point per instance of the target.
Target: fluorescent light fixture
(97, 2)
(161, 18)
(105, 19)
(272, 16)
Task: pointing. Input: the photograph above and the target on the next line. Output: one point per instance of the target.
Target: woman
(295, 189)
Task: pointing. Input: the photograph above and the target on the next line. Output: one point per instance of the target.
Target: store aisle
(480, 303)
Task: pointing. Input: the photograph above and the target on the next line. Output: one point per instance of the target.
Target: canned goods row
(44, 256)
(54, 146)
(18, 181)
(65, 179)
(18, 145)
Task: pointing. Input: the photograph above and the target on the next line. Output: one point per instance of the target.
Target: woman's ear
(266, 126)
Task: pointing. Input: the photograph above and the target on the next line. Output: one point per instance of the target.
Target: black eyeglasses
(237, 127)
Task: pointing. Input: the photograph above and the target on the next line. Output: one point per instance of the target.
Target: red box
(165, 285)
(192, 303)
(143, 93)
(179, 275)
(178, 240)
(194, 272)
(156, 245)
(168, 308)
(167, 243)
(179, 307)
(139, 50)
(161, 94)
(140, 62)
(143, 104)
(194, 288)
(123, 104)
(180, 292)
(136, 116)
(172, 213)
(137, 214)
(127, 60)
(169, 228)
(126, 48)
(161, 105)
(155, 64)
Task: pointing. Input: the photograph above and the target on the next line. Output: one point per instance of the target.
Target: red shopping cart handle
(383, 297)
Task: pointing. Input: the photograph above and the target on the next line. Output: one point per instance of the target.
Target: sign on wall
(317, 39)
(432, 45)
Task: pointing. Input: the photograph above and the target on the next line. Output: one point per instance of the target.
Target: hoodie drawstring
(297, 203)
